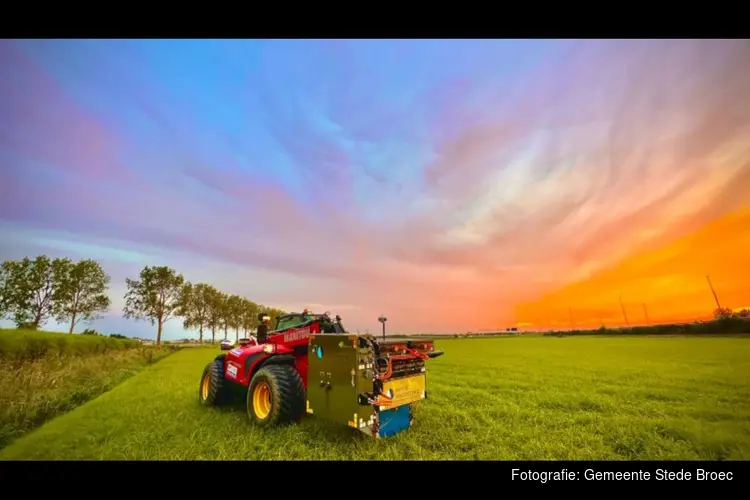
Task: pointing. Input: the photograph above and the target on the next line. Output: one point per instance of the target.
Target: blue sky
(443, 182)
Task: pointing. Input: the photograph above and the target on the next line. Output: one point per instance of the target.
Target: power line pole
(645, 312)
(708, 278)
(624, 314)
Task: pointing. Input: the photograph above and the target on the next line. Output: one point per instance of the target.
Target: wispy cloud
(440, 182)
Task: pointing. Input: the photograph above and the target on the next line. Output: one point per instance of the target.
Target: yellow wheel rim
(205, 385)
(262, 400)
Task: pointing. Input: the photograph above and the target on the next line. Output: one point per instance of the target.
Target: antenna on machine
(383, 319)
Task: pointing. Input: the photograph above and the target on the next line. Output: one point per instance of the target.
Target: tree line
(33, 291)
(721, 313)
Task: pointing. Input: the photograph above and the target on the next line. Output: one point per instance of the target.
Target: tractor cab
(305, 319)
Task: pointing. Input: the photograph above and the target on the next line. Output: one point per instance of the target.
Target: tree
(5, 288)
(722, 313)
(196, 307)
(249, 316)
(234, 314)
(274, 313)
(213, 306)
(8, 293)
(222, 303)
(80, 292)
(27, 290)
(155, 297)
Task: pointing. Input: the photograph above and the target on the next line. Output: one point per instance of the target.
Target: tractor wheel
(276, 396)
(214, 389)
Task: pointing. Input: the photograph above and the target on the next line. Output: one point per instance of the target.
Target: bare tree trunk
(158, 333)
(200, 339)
(72, 323)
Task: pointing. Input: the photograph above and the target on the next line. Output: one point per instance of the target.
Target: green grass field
(513, 398)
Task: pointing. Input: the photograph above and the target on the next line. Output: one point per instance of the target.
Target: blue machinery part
(394, 421)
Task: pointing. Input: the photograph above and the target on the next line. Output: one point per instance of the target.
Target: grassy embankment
(513, 398)
(44, 374)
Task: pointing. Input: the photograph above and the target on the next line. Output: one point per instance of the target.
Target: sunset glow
(670, 281)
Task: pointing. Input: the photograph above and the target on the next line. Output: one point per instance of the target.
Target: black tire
(286, 401)
(214, 390)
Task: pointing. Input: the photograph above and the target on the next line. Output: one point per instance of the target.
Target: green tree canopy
(155, 297)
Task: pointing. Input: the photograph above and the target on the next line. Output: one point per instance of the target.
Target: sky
(452, 185)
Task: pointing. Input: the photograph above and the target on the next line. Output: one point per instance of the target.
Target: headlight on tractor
(269, 348)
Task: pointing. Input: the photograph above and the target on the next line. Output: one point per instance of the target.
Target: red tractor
(310, 364)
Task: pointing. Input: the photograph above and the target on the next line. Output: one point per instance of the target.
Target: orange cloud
(670, 281)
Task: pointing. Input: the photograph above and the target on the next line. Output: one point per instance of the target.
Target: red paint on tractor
(241, 362)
